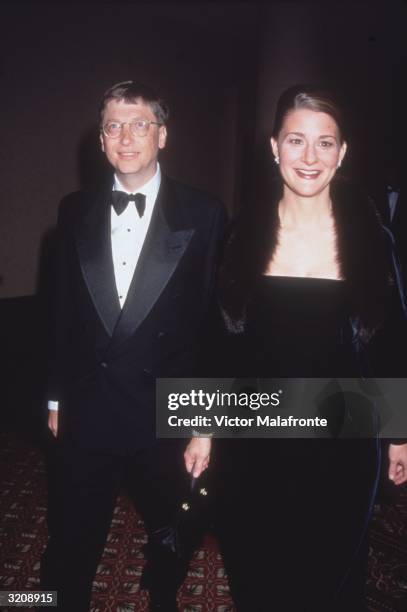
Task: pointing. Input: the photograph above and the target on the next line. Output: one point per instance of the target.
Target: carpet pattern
(387, 582)
(23, 535)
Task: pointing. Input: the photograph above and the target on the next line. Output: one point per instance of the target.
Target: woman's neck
(295, 210)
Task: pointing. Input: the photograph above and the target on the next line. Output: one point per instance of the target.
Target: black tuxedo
(106, 363)
(111, 357)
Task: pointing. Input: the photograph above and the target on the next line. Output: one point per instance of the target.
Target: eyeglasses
(138, 127)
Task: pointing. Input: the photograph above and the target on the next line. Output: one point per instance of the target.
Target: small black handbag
(193, 517)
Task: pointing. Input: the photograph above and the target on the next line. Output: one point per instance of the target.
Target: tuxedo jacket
(106, 358)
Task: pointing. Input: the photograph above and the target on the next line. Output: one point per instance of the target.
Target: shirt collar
(149, 189)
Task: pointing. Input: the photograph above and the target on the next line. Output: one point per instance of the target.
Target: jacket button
(103, 364)
(160, 334)
(146, 371)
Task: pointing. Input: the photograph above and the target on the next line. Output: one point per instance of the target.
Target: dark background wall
(360, 50)
(56, 61)
(220, 65)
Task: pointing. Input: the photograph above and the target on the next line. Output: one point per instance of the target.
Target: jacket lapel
(93, 243)
(163, 248)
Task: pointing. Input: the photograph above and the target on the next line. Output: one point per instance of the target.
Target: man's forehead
(127, 106)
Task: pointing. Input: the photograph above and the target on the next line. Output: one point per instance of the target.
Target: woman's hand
(398, 463)
(197, 455)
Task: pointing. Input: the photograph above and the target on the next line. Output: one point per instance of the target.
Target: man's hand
(53, 421)
(398, 463)
(197, 455)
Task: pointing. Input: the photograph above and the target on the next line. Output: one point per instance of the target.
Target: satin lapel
(399, 217)
(162, 250)
(93, 243)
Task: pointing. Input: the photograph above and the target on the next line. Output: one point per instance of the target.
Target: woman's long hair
(250, 246)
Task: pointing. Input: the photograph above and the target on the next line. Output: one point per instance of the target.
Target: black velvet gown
(293, 514)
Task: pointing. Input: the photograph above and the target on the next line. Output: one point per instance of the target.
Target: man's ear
(162, 137)
(102, 144)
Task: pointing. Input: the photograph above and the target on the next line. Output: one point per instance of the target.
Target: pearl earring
(277, 160)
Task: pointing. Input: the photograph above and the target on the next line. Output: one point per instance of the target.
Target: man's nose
(125, 134)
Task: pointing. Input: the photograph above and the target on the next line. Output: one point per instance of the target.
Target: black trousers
(81, 503)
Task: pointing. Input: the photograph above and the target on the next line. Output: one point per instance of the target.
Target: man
(135, 281)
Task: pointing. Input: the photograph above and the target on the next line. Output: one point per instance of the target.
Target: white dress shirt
(128, 232)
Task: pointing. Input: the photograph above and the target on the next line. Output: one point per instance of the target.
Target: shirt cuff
(53, 405)
(202, 434)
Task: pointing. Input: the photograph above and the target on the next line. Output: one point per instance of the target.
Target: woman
(305, 288)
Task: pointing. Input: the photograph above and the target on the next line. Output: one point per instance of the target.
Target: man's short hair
(130, 92)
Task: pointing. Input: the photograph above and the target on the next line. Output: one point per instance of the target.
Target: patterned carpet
(23, 535)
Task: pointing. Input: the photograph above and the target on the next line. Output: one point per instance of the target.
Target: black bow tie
(120, 200)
